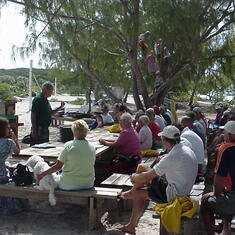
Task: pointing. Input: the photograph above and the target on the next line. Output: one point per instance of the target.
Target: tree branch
(216, 57)
(121, 38)
(218, 31)
(215, 24)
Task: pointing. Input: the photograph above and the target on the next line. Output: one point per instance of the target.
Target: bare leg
(139, 197)
(129, 194)
(226, 230)
(142, 168)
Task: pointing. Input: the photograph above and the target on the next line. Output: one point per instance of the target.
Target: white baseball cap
(230, 127)
(170, 132)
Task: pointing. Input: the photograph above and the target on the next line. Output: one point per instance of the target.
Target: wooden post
(30, 84)
(92, 213)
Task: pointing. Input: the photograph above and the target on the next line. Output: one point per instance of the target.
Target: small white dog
(48, 182)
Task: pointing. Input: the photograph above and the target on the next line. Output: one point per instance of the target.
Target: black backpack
(21, 175)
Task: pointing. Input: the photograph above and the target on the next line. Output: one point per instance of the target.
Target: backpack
(21, 175)
(28, 140)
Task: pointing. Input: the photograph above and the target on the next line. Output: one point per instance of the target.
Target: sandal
(125, 230)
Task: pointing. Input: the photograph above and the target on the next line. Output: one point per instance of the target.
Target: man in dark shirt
(41, 113)
(222, 200)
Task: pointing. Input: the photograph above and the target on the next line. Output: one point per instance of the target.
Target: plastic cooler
(66, 133)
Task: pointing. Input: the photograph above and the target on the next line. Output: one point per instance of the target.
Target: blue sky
(12, 32)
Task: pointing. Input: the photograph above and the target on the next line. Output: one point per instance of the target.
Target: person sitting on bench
(127, 147)
(9, 144)
(76, 160)
(179, 166)
(222, 200)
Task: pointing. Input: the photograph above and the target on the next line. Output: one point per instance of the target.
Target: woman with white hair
(145, 133)
(127, 145)
(76, 160)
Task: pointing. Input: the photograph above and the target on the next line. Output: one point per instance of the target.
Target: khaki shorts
(223, 204)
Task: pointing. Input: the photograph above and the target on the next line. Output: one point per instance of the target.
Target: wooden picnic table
(104, 154)
(57, 120)
(123, 180)
(52, 154)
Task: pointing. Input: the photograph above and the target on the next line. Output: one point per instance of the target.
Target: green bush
(5, 92)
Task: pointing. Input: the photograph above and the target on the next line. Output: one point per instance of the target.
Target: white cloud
(13, 32)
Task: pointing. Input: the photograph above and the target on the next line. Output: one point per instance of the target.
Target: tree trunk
(158, 97)
(193, 93)
(136, 97)
(126, 95)
(138, 76)
(132, 55)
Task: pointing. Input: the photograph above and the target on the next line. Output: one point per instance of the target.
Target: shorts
(157, 190)
(73, 188)
(223, 204)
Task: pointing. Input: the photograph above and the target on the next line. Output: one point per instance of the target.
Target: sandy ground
(42, 219)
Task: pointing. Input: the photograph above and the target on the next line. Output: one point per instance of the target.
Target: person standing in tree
(143, 45)
(151, 64)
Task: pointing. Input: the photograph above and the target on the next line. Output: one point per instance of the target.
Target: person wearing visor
(173, 176)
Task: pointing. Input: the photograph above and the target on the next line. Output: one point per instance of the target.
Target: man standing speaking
(41, 113)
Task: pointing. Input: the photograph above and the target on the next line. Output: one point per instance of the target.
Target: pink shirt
(129, 141)
(151, 61)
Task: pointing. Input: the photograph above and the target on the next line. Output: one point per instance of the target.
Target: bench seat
(188, 225)
(92, 198)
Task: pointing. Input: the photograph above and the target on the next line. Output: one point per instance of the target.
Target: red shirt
(155, 129)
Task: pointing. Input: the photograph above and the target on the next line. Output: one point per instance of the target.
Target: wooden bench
(188, 225)
(92, 198)
(123, 180)
(56, 122)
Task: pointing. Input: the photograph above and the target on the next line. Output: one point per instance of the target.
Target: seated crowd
(173, 174)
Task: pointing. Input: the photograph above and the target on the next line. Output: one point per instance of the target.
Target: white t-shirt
(146, 139)
(180, 169)
(196, 142)
(185, 142)
(160, 121)
(107, 119)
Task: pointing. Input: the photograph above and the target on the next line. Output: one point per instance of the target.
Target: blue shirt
(7, 146)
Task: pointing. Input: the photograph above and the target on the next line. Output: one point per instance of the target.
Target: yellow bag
(149, 153)
(116, 128)
(172, 212)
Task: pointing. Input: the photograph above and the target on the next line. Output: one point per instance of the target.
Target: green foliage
(5, 92)
(98, 41)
